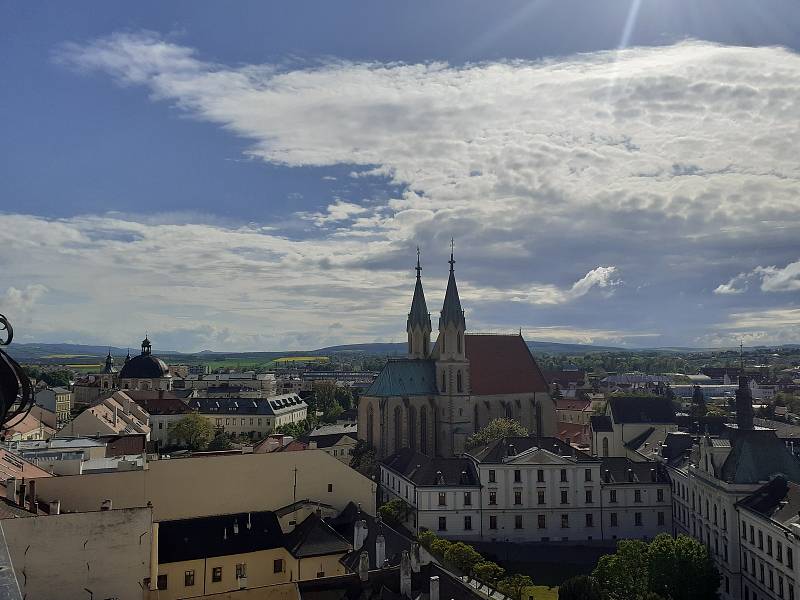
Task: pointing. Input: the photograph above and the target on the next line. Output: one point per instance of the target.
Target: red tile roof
(567, 404)
(502, 364)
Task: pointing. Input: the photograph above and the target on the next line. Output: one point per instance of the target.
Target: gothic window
(370, 424)
(444, 386)
(458, 342)
(509, 411)
(605, 446)
(412, 427)
(444, 337)
(398, 428)
(425, 345)
(459, 384)
(475, 423)
(423, 430)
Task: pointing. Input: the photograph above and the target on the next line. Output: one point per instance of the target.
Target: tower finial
(418, 268)
(741, 356)
(452, 248)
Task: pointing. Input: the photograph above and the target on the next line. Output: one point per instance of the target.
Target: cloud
(672, 164)
(773, 279)
(22, 301)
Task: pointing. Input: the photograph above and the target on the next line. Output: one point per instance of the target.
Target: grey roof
(778, 500)
(314, 537)
(500, 450)
(425, 471)
(601, 423)
(757, 455)
(144, 366)
(419, 309)
(616, 470)
(451, 309)
(247, 406)
(641, 409)
(405, 377)
(395, 541)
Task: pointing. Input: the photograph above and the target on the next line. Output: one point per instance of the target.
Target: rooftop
(641, 409)
(538, 449)
(425, 471)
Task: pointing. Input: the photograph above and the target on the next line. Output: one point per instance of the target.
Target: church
(438, 395)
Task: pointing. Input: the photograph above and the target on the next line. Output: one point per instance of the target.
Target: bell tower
(418, 325)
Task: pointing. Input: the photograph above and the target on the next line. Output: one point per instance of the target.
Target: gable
(502, 364)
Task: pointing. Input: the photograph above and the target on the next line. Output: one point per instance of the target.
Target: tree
(193, 431)
(294, 429)
(513, 585)
(394, 511)
(344, 397)
(425, 538)
(495, 430)
(462, 556)
(488, 572)
(221, 441)
(363, 459)
(623, 575)
(698, 402)
(440, 546)
(581, 587)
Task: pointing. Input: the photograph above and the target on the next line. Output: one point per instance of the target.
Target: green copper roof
(757, 455)
(405, 377)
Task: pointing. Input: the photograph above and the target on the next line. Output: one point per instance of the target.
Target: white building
(530, 489)
(628, 421)
(263, 383)
(114, 415)
(253, 417)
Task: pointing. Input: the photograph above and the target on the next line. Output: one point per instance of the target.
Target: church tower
(418, 325)
(452, 370)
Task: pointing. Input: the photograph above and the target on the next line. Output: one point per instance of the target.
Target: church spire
(419, 320)
(451, 309)
(109, 363)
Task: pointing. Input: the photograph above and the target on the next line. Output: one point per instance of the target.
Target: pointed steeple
(744, 404)
(147, 347)
(128, 356)
(451, 309)
(109, 368)
(418, 325)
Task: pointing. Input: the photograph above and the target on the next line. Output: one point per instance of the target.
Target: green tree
(488, 572)
(193, 432)
(513, 585)
(623, 575)
(394, 511)
(440, 546)
(363, 459)
(344, 397)
(462, 556)
(221, 441)
(495, 430)
(425, 538)
(581, 587)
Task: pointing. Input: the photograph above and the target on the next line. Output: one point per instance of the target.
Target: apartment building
(253, 417)
(530, 489)
(113, 415)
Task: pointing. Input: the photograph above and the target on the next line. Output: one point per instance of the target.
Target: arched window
(370, 424)
(398, 428)
(444, 386)
(423, 430)
(459, 384)
(605, 446)
(724, 519)
(425, 345)
(475, 423)
(509, 411)
(412, 427)
(458, 342)
(443, 338)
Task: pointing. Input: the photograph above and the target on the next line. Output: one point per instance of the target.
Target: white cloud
(773, 279)
(338, 211)
(22, 300)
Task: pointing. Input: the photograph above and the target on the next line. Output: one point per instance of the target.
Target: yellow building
(199, 557)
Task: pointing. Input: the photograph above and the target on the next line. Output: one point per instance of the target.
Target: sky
(258, 176)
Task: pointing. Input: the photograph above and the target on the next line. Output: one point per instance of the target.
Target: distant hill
(390, 349)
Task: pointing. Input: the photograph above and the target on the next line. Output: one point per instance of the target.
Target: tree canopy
(193, 431)
(495, 430)
(581, 587)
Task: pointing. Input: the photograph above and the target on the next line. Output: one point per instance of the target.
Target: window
(659, 495)
(564, 521)
(769, 545)
(216, 574)
(160, 425)
(563, 474)
(492, 497)
(637, 519)
(492, 476)
(320, 574)
(605, 446)
(444, 387)
(589, 520)
(330, 487)
(612, 495)
(442, 523)
(493, 522)
(188, 578)
(243, 420)
(761, 572)
(540, 497)
(771, 580)
(541, 522)
(779, 552)
(587, 475)
(637, 495)
(442, 499)
(467, 498)
(660, 518)
(760, 540)
(459, 383)
(752, 535)
(563, 496)
(277, 565)
(468, 523)
(540, 475)
(588, 496)
(517, 521)
(517, 497)
(780, 586)
(458, 342)
(241, 570)
(162, 582)
(517, 476)
(789, 561)
(613, 519)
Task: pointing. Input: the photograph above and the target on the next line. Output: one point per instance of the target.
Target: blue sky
(258, 177)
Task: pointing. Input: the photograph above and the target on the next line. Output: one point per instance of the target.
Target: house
(629, 420)
(57, 400)
(253, 417)
(117, 414)
(28, 428)
(164, 407)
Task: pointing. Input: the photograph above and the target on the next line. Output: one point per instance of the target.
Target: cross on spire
(452, 260)
(418, 268)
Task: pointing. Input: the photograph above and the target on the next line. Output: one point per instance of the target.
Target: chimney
(359, 534)
(106, 504)
(569, 441)
(12, 489)
(160, 394)
(21, 500)
(744, 405)
(55, 507)
(34, 505)
(607, 476)
(115, 415)
(415, 558)
(434, 591)
(511, 450)
(405, 574)
(652, 474)
(380, 551)
(363, 566)
(630, 475)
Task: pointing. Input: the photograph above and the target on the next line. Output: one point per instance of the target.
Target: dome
(144, 366)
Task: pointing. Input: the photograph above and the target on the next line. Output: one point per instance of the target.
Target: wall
(192, 487)
(106, 553)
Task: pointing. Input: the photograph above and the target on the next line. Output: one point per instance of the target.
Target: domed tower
(145, 372)
(108, 377)
(418, 325)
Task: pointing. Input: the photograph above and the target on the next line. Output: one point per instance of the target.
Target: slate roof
(144, 366)
(426, 471)
(498, 450)
(314, 537)
(778, 500)
(601, 423)
(757, 455)
(405, 377)
(502, 364)
(641, 409)
(573, 404)
(419, 309)
(326, 441)
(205, 537)
(344, 524)
(164, 406)
(451, 309)
(246, 406)
(643, 471)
